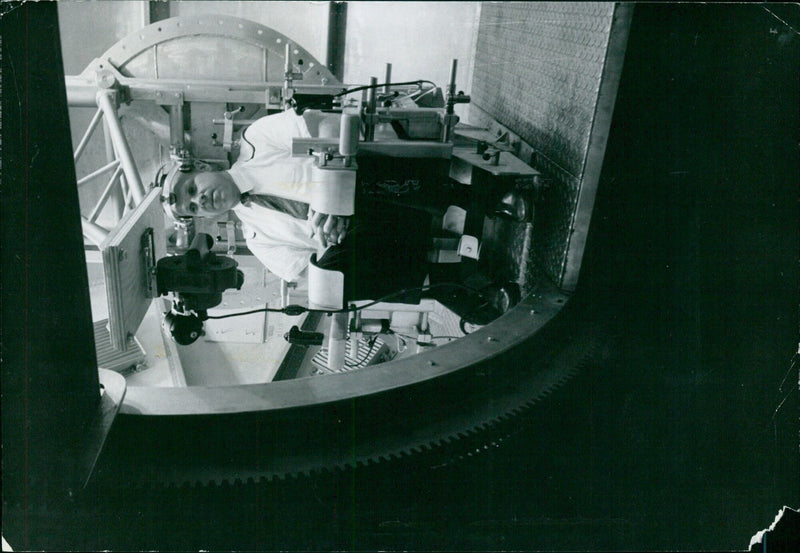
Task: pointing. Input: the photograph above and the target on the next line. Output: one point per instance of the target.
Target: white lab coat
(266, 166)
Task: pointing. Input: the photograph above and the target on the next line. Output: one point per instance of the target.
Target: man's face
(205, 194)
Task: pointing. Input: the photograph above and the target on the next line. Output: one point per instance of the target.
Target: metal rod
(194, 90)
(105, 195)
(117, 197)
(176, 127)
(451, 88)
(423, 322)
(80, 94)
(93, 231)
(126, 195)
(369, 130)
(449, 118)
(121, 146)
(371, 96)
(287, 75)
(355, 336)
(104, 169)
(388, 77)
(284, 293)
(128, 199)
(337, 336)
(287, 59)
(88, 134)
(337, 35)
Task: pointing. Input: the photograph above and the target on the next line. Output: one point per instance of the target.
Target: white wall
(90, 28)
(419, 39)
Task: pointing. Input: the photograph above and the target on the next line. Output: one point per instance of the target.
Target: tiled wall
(537, 72)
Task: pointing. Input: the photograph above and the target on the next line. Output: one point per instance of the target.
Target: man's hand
(329, 229)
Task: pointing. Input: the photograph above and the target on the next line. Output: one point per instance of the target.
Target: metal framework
(129, 71)
(125, 182)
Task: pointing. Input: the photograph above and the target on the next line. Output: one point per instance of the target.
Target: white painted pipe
(105, 195)
(349, 133)
(121, 146)
(337, 338)
(104, 169)
(88, 134)
(93, 231)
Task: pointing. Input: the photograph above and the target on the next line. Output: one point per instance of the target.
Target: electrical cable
(408, 337)
(351, 365)
(368, 86)
(412, 339)
(415, 95)
(294, 310)
(421, 94)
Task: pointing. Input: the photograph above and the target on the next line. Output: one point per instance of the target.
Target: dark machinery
(197, 279)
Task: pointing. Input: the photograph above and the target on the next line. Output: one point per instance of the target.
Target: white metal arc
(249, 32)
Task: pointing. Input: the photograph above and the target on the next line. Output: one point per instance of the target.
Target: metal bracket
(105, 78)
(286, 287)
(148, 251)
(374, 118)
(227, 132)
(230, 229)
(469, 246)
(168, 97)
(272, 97)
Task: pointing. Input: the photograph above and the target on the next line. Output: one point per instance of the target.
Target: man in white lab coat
(381, 250)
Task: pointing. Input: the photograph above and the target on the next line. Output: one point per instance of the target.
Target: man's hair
(170, 174)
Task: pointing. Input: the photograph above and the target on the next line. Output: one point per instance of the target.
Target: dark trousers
(384, 251)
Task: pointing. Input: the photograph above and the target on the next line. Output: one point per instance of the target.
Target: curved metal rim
(127, 48)
(507, 332)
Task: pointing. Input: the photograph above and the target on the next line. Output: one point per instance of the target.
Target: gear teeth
(446, 447)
